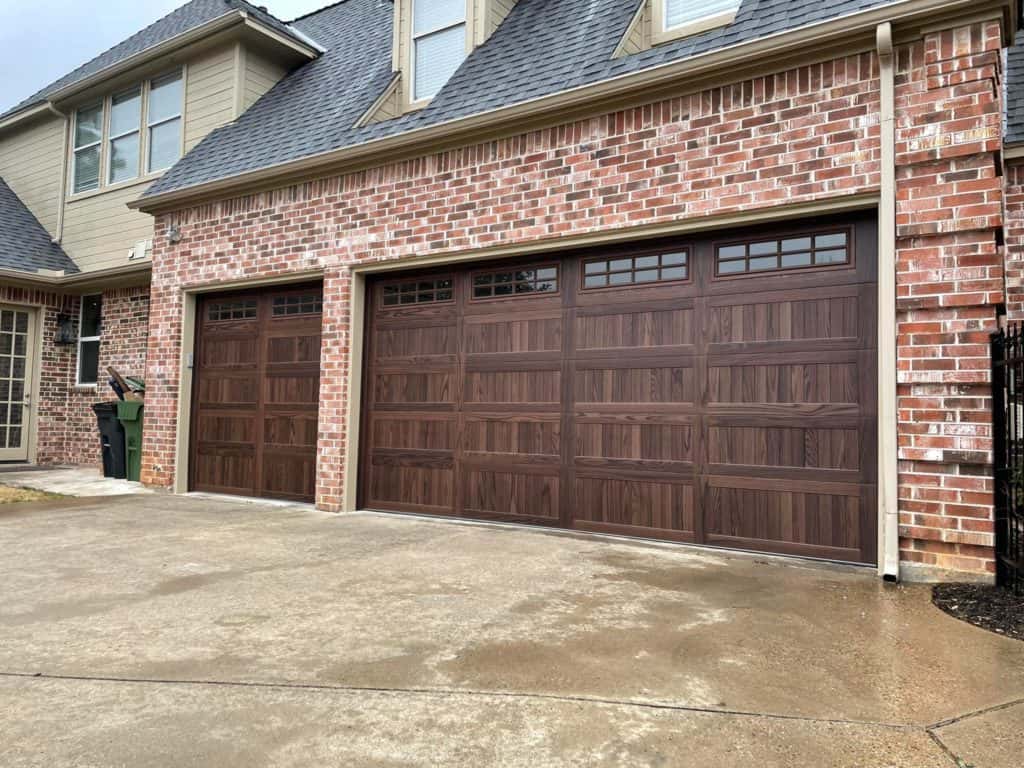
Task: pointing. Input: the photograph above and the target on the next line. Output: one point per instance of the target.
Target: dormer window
(681, 18)
(438, 44)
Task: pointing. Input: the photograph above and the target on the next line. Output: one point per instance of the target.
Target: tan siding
(99, 230)
(390, 105)
(261, 74)
(209, 94)
(30, 163)
(497, 10)
(638, 35)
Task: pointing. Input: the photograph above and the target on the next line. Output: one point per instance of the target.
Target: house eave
(852, 29)
(79, 282)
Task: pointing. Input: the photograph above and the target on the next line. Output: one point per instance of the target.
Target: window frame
(88, 339)
(850, 263)
(75, 150)
(111, 138)
(397, 283)
(180, 117)
(105, 104)
(662, 33)
(412, 38)
(558, 280)
(660, 254)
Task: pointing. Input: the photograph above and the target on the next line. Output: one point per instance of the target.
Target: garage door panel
(524, 332)
(669, 446)
(405, 486)
(414, 431)
(778, 383)
(226, 352)
(403, 389)
(513, 387)
(636, 329)
(824, 448)
(292, 388)
(229, 388)
(225, 468)
(288, 474)
(426, 343)
(513, 436)
(622, 384)
(633, 505)
(290, 350)
(292, 429)
(511, 495)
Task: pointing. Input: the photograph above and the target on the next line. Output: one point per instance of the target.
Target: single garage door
(718, 390)
(256, 387)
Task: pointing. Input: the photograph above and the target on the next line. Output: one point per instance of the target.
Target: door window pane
(88, 362)
(92, 307)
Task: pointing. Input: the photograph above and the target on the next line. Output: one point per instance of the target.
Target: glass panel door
(15, 382)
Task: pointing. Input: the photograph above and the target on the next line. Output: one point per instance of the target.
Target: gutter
(76, 280)
(668, 75)
(888, 476)
(62, 193)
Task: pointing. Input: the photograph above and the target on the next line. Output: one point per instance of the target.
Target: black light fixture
(65, 329)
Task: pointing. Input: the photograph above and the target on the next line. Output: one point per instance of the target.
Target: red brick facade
(66, 430)
(808, 134)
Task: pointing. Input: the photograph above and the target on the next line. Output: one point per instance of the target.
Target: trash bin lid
(107, 408)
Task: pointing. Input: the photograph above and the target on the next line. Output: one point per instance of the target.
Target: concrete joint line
(975, 713)
(580, 699)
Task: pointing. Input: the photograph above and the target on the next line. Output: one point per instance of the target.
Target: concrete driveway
(167, 631)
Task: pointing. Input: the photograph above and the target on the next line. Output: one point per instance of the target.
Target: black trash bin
(111, 440)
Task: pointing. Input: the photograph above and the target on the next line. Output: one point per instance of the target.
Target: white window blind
(88, 139)
(439, 44)
(678, 12)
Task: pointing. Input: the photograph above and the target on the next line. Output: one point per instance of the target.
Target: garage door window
(515, 282)
(433, 291)
(299, 304)
(636, 270)
(232, 310)
(824, 249)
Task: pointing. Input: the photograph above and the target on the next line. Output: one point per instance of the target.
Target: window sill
(694, 27)
(85, 387)
(77, 196)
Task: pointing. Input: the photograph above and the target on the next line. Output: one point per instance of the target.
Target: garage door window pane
(635, 270)
(519, 282)
(407, 292)
(825, 249)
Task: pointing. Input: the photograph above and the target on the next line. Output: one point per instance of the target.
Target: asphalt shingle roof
(189, 16)
(543, 47)
(24, 244)
(1015, 91)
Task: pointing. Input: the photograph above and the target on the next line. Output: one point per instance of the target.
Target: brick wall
(949, 286)
(66, 432)
(803, 135)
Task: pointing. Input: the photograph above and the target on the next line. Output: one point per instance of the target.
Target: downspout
(62, 193)
(888, 496)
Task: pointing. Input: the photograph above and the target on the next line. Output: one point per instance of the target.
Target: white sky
(42, 40)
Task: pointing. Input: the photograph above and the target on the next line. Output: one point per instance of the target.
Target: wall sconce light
(65, 330)
(173, 235)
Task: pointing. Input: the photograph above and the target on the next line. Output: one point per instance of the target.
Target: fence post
(1000, 463)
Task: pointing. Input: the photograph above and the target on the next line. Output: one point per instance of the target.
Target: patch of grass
(11, 495)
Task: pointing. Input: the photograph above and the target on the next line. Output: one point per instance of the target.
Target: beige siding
(389, 106)
(638, 35)
(30, 163)
(209, 94)
(100, 229)
(261, 74)
(496, 12)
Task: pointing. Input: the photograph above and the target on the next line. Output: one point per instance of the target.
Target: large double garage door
(719, 390)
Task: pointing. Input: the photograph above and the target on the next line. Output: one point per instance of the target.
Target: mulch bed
(997, 610)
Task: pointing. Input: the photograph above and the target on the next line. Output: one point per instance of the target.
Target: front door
(16, 343)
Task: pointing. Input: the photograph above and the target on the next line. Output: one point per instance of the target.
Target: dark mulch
(988, 607)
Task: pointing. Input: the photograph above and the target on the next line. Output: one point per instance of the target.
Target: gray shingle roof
(1015, 91)
(544, 46)
(189, 16)
(24, 244)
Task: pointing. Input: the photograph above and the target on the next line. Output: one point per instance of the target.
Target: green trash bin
(129, 413)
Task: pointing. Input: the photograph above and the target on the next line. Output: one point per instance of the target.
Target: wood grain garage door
(256, 393)
(718, 390)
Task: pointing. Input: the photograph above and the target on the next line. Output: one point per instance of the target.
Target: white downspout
(888, 495)
(62, 195)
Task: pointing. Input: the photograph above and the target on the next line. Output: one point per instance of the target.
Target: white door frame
(33, 354)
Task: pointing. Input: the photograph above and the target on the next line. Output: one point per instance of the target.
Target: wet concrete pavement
(157, 630)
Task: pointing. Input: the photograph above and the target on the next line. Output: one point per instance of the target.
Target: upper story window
(109, 134)
(679, 18)
(88, 139)
(438, 44)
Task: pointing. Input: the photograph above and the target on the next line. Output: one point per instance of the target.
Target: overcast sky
(42, 40)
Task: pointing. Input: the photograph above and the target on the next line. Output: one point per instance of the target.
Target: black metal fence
(1008, 434)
